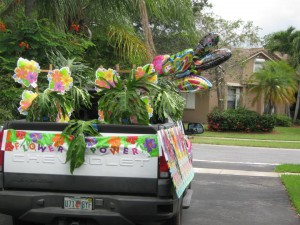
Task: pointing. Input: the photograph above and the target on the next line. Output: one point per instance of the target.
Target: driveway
(237, 186)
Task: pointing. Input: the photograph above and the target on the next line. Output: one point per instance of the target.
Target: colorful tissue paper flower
(147, 100)
(149, 144)
(35, 137)
(101, 115)
(25, 103)
(64, 119)
(26, 72)
(147, 69)
(109, 75)
(60, 80)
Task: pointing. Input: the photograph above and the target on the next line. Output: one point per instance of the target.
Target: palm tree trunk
(220, 96)
(28, 7)
(146, 28)
(297, 104)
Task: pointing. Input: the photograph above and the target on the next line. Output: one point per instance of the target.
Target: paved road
(237, 186)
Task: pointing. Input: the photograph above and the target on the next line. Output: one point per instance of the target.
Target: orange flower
(58, 140)
(75, 27)
(21, 73)
(24, 44)
(139, 72)
(115, 141)
(56, 76)
(2, 27)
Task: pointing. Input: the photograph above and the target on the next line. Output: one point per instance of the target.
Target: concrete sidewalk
(247, 139)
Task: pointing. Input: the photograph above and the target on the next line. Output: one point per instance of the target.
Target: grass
(279, 133)
(281, 137)
(291, 182)
(292, 185)
(289, 168)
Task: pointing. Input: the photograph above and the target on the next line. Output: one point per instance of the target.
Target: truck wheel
(177, 218)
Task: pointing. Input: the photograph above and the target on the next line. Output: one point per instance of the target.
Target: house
(232, 83)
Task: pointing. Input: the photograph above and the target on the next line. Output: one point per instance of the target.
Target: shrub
(297, 122)
(240, 120)
(282, 120)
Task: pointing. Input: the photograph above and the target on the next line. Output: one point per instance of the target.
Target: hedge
(283, 120)
(240, 120)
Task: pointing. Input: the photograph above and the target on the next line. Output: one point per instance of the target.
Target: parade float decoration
(149, 94)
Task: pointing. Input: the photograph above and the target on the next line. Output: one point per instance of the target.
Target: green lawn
(279, 133)
(292, 185)
(289, 168)
(281, 137)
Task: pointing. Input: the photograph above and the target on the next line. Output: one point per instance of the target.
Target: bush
(297, 122)
(240, 120)
(282, 120)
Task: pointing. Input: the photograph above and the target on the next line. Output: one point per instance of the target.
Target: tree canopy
(287, 42)
(276, 83)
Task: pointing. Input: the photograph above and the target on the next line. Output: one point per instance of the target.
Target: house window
(233, 97)
(189, 100)
(258, 64)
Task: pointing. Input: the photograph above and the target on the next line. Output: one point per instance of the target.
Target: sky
(270, 15)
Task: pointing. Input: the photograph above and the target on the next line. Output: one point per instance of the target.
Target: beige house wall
(201, 109)
(206, 102)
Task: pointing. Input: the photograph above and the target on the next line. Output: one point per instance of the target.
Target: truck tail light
(1, 152)
(163, 167)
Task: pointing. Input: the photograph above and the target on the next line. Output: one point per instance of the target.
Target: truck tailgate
(103, 173)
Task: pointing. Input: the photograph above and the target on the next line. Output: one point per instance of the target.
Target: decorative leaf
(76, 151)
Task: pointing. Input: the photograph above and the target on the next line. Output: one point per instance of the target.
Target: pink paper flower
(59, 86)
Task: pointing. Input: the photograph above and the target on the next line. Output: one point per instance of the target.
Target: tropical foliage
(276, 83)
(76, 150)
(287, 42)
(167, 102)
(122, 101)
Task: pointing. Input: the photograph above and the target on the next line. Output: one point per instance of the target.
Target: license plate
(78, 203)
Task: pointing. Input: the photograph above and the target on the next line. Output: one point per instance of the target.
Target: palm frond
(128, 44)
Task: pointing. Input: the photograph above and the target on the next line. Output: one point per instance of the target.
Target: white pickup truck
(114, 186)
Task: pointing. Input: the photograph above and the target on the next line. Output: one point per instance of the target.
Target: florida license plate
(78, 203)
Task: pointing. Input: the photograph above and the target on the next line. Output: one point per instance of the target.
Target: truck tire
(177, 218)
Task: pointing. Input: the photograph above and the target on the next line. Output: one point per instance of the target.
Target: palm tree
(126, 23)
(287, 42)
(276, 82)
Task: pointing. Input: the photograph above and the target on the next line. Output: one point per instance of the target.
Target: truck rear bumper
(47, 207)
